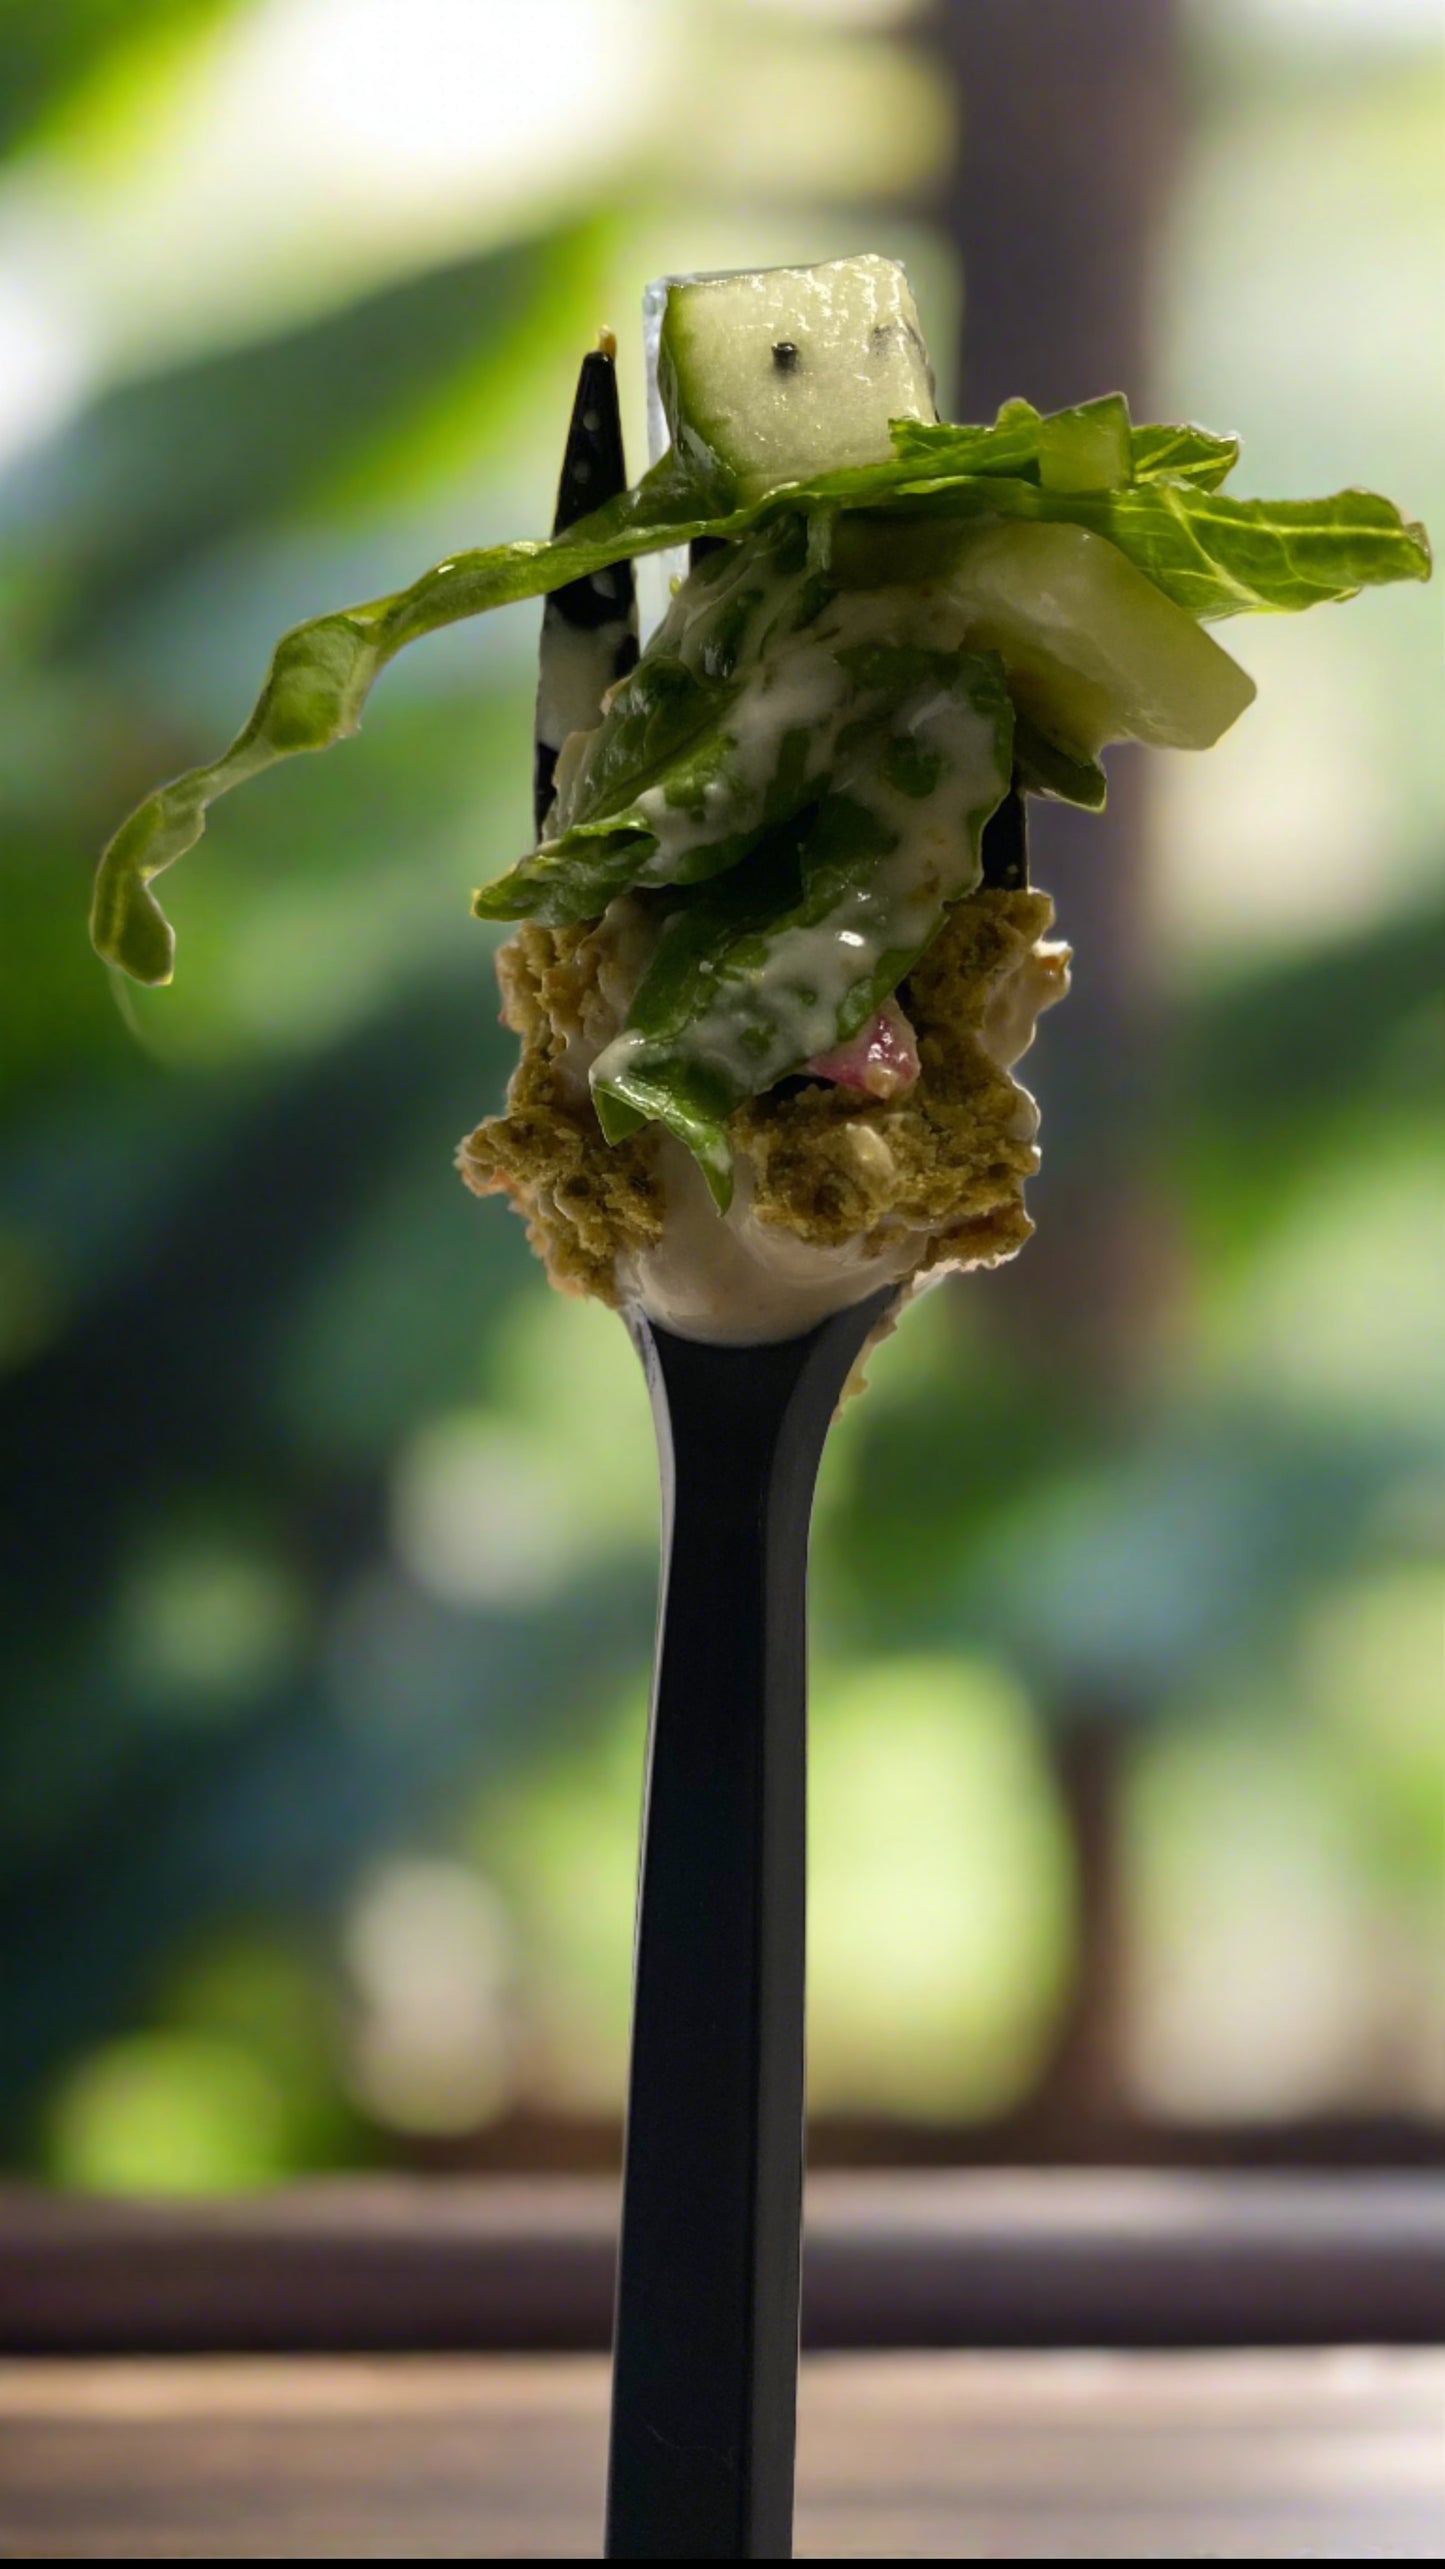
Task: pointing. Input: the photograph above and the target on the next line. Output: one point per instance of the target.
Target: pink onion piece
(881, 1060)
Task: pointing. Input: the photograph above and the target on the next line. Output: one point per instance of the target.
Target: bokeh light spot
(167, 2113)
(480, 1513)
(428, 1946)
(940, 1889)
(206, 1624)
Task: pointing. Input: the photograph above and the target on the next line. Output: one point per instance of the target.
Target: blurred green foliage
(50, 52)
(329, 1536)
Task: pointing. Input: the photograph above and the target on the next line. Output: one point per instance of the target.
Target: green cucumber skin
(699, 454)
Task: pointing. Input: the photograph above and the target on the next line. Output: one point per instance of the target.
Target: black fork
(705, 2355)
(705, 2350)
(589, 629)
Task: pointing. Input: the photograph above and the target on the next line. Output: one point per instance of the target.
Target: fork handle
(706, 2343)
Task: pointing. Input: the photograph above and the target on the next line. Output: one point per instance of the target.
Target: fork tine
(589, 629)
(1005, 845)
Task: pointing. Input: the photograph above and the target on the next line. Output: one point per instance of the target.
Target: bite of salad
(776, 952)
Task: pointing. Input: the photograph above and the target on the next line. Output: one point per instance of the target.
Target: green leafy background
(327, 1579)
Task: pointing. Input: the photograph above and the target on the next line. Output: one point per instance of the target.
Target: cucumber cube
(1087, 449)
(771, 375)
(1093, 651)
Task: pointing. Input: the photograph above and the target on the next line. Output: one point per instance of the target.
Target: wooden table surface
(1336, 2454)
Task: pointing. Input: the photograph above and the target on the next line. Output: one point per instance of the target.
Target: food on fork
(776, 952)
(838, 1187)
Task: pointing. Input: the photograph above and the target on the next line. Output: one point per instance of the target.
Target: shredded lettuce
(1072, 440)
(1212, 555)
(790, 954)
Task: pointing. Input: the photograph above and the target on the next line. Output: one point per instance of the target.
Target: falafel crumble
(925, 1180)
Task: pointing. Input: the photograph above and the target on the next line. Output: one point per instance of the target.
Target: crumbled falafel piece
(950, 1155)
(946, 1159)
(583, 1201)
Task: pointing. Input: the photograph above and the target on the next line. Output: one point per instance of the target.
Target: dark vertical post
(1069, 136)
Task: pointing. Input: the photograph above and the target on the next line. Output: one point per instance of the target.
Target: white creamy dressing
(792, 684)
(786, 1007)
(738, 1282)
(801, 689)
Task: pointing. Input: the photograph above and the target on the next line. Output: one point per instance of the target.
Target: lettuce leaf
(1195, 456)
(320, 677)
(1192, 455)
(1212, 555)
(703, 813)
(1215, 556)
